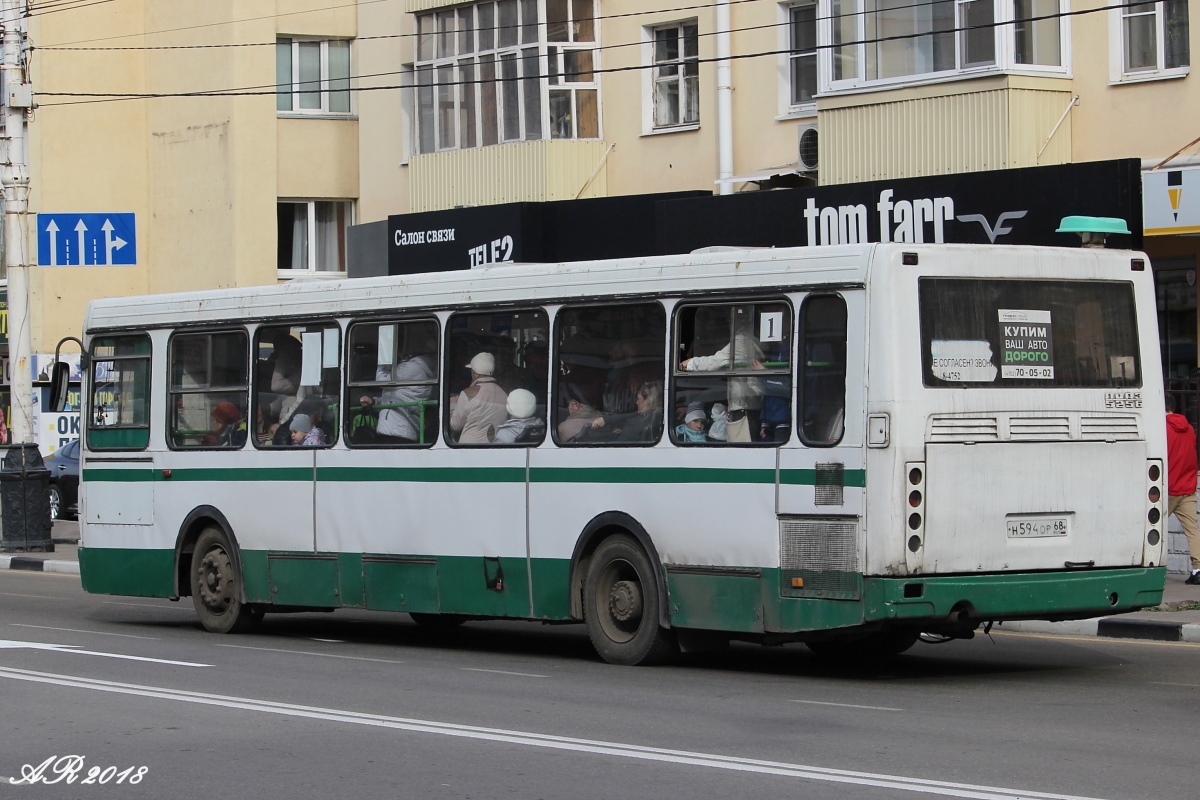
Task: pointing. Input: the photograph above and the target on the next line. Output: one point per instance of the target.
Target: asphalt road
(368, 705)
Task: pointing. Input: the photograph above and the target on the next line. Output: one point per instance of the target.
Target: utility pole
(14, 175)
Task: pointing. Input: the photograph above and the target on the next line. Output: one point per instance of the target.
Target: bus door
(821, 471)
(295, 411)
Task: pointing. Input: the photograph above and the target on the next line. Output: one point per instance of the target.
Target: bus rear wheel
(217, 586)
(622, 605)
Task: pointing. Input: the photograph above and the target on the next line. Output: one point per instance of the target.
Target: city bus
(854, 447)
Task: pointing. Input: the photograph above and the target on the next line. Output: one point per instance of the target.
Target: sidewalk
(65, 558)
(1176, 620)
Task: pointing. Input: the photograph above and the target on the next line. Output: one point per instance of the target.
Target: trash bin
(24, 490)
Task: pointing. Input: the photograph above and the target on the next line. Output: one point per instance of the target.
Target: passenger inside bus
(229, 427)
(745, 393)
(279, 376)
(304, 433)
(401, 408)
(482, 406)
(643, 425)
(577, 414)
(521, 427)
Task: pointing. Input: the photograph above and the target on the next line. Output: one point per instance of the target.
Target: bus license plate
(1037, 527)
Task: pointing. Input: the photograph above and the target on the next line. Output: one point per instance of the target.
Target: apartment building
(253, 140)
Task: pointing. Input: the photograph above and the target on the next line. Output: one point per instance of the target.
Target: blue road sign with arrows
(86, 240)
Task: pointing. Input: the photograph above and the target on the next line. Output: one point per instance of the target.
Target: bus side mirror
(60, 376)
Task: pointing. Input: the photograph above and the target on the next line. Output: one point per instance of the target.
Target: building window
(897, 42)
(1154, 37)
(1036, 36)
(802, 56)
(312, 76)
(312, 235)
(496, 72)
(676, 75)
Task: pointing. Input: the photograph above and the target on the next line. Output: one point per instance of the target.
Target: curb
(39, 565)
(1110, 628)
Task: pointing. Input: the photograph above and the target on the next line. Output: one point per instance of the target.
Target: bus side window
(209, 390)
(609, 375)
(732, 380)
(296, 375)
(822, 408)
(489, 356)
(392, 384)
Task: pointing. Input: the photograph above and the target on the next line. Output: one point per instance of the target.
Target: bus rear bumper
(1013, 596)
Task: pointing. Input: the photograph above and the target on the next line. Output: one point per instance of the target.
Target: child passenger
(304, 433)
(692, 429)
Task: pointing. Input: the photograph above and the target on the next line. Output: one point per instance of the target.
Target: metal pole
(14, 175)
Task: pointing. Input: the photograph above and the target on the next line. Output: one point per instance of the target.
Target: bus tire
(217, 586)
(621, 605)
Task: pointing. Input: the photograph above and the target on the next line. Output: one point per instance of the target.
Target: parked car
(63, 464)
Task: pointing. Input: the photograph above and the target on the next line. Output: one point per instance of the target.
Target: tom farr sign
(1017, 206)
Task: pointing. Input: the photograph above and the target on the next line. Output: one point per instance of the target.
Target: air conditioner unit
(806, 150)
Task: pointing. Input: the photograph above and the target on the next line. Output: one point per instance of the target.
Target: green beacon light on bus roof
(1093, 230)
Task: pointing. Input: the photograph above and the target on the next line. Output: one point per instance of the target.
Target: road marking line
(505, 672)
(1187, 685)
(546, 741)
(73, 649)
(33, 596)
(1095, 639)
(846, 705)
(77, 630)
(310, 653)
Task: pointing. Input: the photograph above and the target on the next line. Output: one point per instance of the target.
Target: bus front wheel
(217, 586)
(622, 605)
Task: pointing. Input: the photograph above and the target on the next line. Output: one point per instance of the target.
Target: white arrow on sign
(52, 229)
(6, 644)
(110, 242)
(80, 229)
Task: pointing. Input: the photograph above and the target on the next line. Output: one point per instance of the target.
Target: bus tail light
(914, 515)
(1156, 515)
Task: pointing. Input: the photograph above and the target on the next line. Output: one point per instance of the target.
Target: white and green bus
(843, 446)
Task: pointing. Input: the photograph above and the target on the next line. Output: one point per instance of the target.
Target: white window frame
(310, 269)
(326, 91)
(651, 77)
(1116, 38)
(788, 109)
(1064, 42)
(449, 47)
(1004, 60)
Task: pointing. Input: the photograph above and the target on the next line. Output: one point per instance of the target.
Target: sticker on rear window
(1027, 350)
(962, 360)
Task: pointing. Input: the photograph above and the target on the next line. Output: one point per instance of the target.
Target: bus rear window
(1021, 333)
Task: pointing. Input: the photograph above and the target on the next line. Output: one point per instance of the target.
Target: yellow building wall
(202, 174)
(1143, 119)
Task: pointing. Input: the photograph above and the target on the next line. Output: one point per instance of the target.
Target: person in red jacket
(1181, 481)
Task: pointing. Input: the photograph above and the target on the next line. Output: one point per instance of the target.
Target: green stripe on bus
(107, 475)
(422, 474)
(650, 475)
(600, 475)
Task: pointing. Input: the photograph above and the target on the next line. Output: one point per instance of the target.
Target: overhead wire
(270, 89)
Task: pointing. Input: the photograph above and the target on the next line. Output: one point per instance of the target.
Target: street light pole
(14, 176)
